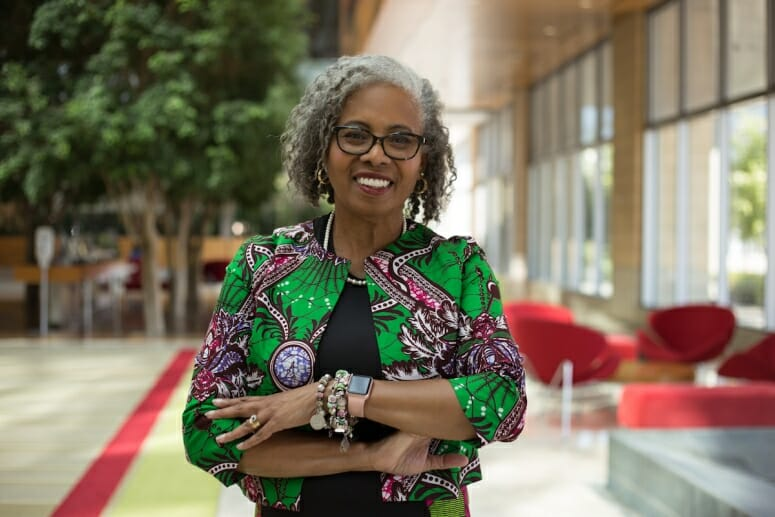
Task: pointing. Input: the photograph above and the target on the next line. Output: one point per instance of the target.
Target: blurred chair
(214, 270)
(688, 333)
(536, 310)
(563, 354)
(754, 364)
(624, 345)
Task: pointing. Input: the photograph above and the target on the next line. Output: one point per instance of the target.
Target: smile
(373, 182)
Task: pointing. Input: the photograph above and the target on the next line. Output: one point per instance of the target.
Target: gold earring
(322, 178)
(422, 181)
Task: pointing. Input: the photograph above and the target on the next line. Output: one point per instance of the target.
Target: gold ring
(253, 422)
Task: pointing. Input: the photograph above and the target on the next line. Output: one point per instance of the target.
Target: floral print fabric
(437, 313)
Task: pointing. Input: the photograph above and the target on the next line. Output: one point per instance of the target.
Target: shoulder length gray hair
(308, 133)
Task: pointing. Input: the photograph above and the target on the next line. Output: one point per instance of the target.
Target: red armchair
(564, 354)
(688, 333)
(546, 344)
(538, 310)
(755, 364)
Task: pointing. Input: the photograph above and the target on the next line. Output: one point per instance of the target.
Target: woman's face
(374, 183)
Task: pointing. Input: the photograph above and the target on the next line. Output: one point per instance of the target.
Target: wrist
(364, 457)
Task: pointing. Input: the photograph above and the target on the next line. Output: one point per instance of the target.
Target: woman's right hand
(407, 454)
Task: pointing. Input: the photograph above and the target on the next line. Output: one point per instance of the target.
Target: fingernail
(209, 414)
(219, 438)
(217, 401)
(241, 445)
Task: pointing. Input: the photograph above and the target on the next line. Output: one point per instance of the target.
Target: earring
(422, 181)
(322, 177)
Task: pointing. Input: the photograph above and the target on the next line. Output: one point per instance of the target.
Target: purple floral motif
(496, 355)
(221, 363)
(484, 326)
(203, 385)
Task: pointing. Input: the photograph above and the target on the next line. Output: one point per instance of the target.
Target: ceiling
(478, 52)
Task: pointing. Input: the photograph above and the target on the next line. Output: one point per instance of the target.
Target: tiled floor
(63, 398)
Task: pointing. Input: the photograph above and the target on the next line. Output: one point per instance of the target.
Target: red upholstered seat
(546, 344)
(538, 310)
(756, 364)
(687, 405)
(624, 345)
(688, 333)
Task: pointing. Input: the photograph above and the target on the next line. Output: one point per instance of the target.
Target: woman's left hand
(274, 413)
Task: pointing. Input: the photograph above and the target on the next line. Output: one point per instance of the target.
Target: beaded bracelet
(339, 420)
(318, 420)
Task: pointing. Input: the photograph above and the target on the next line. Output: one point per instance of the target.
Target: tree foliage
(748, 183)
(170, 106)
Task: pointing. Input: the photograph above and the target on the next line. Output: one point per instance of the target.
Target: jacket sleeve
(490, 386)
(221, 370)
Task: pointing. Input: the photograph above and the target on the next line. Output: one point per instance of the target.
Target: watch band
(358, 392)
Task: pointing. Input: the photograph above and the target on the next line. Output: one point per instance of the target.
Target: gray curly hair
(307, 134)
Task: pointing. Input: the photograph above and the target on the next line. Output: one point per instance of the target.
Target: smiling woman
(320, 326)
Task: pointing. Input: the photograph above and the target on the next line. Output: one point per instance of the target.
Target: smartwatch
(358, 392)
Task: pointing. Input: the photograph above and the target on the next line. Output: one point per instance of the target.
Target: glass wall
(706, 216)
(570, 175)
(493, 190)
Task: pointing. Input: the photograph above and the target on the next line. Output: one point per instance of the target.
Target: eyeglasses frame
(381, 139)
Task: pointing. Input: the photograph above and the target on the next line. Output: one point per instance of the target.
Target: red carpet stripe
(93, 491)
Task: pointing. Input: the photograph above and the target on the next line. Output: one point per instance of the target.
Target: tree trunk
(180, 264)
(149, 241)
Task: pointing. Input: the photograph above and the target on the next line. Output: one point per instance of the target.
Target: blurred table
(84, 277)
(634, 370)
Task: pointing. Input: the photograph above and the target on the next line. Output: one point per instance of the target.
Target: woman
(300, 393)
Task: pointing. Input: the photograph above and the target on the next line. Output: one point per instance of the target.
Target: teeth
(373, 182)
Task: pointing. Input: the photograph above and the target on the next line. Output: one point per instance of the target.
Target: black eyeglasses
(357, 141)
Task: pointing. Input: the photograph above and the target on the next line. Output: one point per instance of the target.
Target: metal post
(43, 296)
(567, 397)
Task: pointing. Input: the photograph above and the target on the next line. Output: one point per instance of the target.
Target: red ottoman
(687, 405)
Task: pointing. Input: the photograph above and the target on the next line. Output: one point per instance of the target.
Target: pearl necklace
(327, 236)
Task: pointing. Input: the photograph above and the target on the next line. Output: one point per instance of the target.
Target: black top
(349, 343)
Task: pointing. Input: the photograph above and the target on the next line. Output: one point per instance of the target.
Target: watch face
(359, 385)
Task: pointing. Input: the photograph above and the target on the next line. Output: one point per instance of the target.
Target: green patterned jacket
(437, 313)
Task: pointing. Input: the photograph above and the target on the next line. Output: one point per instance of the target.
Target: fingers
(446, 461)
(233, 408)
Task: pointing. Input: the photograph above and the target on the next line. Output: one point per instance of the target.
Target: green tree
(176, 107)
(748, 183)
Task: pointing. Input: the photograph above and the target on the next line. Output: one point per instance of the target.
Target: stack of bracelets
(338, 420)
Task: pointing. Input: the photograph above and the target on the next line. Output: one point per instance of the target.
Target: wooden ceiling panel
(477, 52)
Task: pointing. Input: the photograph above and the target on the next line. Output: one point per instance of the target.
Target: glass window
(546, 209)
(746, 52)
(533, 221)
(553, 113)
(746, 260)
(667, 161)
(570, 122)
(589, 253)
(605, 260)
(574, 220)
(664, 62)
(702, 54)
(536, 118)
(703, 225)
(560, 240)
(588, 111)
(607, 100)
